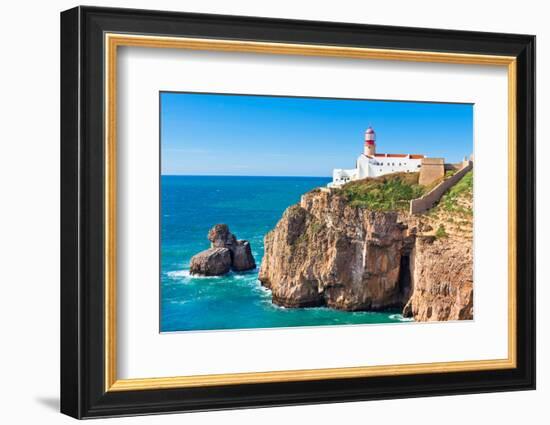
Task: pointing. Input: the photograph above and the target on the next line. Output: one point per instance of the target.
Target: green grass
(389, 192)
(449, 201)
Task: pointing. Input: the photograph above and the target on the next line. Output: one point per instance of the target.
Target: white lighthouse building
(372, 164)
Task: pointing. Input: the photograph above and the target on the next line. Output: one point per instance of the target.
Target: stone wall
(454, 166)
(427, 201)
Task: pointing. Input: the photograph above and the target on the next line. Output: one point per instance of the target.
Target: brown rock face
(221, 237)
(242, 256)
(325, 252)
(211, 262)
(224, 244)
(443, 287)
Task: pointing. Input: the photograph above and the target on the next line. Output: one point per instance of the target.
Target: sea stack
(226, 253)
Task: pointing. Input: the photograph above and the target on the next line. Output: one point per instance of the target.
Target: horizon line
(238, 175)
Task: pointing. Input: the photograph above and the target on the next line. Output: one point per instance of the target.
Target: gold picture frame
(114, 41)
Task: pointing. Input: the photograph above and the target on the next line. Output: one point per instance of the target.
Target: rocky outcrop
(226, 253)
(211, 262)
(241, 253)
(220, 236)
(242, 257)
(325, 252)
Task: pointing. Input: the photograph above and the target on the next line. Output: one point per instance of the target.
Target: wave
(181, 274)
(177, 274)
(186, 274)
(258, 286)
(240, 276)
(401, 318)
(264, 294)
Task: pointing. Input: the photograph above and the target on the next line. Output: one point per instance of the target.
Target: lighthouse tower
(370, 142)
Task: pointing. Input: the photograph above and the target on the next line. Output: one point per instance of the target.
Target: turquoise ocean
(250, 206)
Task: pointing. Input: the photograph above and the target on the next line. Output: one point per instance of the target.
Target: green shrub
(389, 192)
(464, 187)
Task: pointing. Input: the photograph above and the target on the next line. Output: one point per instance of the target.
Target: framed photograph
(261, 212)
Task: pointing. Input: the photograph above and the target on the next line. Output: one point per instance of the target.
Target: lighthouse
(372, 164)
(370, 142)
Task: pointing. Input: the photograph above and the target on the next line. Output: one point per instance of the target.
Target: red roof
(398, 155)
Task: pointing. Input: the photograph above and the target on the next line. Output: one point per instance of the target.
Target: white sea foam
(176, 274)
(263, 293)
(263, 288)
(186, 274)
(400, 318)
(181, 274)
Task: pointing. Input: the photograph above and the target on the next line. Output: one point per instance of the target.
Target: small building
(373, 164)
(432, 169)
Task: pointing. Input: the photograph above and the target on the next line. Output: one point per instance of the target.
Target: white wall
(29, 215)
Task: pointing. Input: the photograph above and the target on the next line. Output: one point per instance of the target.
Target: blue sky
(213, 134)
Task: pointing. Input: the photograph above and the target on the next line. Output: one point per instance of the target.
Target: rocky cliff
(326, 252)
(442, 276)
(443, 259)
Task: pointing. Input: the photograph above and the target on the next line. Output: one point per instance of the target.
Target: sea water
(250, 206)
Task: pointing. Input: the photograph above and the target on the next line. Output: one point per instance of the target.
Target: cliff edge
(331, 251)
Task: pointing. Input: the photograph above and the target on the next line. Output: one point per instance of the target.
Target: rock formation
(443, 265)
(443, 287)
(226, 253)
(212, 262)
(326, 252)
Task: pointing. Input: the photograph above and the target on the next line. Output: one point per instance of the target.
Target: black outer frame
(82, 219)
